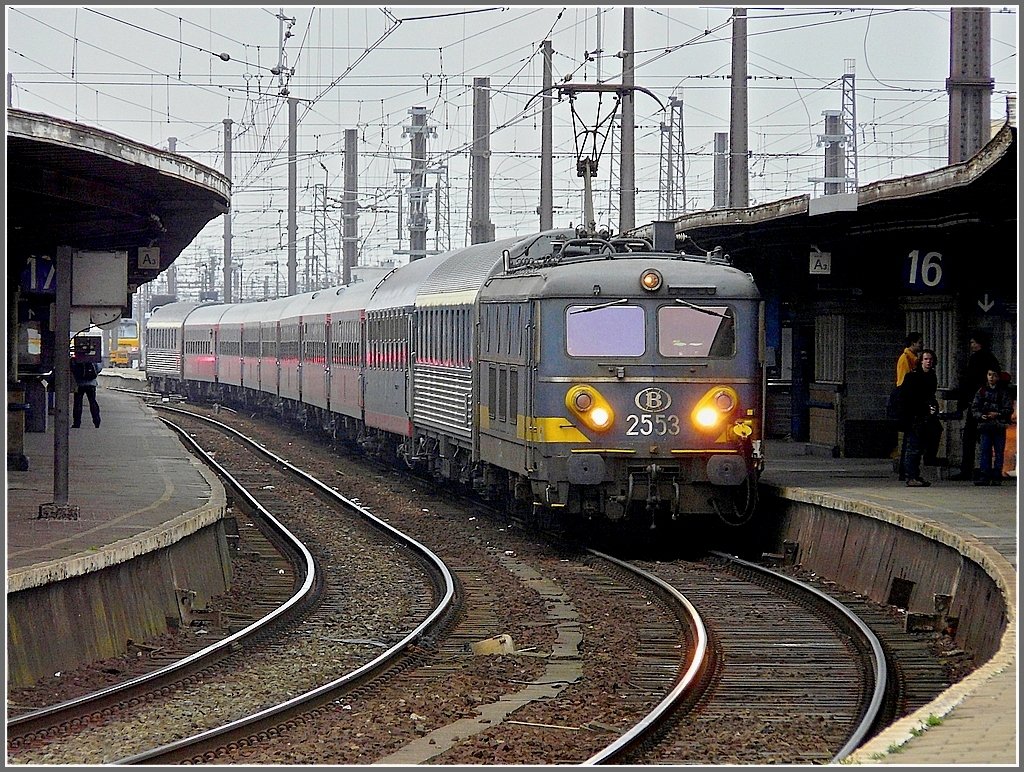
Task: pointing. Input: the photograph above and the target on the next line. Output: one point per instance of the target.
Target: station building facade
(845, 279)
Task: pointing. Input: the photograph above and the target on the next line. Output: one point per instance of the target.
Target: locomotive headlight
(650, 280)
(588, 405)
(601, 418)
(714, 408)
(707, 417)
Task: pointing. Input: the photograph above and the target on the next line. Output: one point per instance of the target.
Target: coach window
(380, 338)
(450, 336)
(492, 391)
(442, 335)
(436, 328)
(500, 321)
(457, 338)
(373, 341)
(429, 339)
(605, 330)
(492, 329)
(396, 334)
(401, 342)
(437, 337)
(696, 331)
(503, 394)
(513, 396)
(396, 343)
(421, 335)
(422, 346)
(516, 342)
(453, 337)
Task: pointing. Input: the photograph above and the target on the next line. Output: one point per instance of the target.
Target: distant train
(125, 353)
(575, 377)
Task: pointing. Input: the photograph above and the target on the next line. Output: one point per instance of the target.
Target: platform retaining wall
(68, 613)
(884, 555)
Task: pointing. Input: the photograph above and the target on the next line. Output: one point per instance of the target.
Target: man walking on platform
(85, 373)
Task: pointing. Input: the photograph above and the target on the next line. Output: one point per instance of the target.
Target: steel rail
(28, 723)
(879, 667)
(700, 653)
(368, 669)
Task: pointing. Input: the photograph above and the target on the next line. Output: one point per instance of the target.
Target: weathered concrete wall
(71, 620)
(881, 553)
(867, 548)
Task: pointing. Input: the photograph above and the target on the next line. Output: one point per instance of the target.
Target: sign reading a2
(924, 272)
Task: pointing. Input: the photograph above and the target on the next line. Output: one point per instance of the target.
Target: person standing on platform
(908, 359)
(980, 361)
(906, 362)
(919, 413)
(85, 373)
(991, 409)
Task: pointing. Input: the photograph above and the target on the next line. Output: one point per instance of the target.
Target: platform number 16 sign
(924, 271)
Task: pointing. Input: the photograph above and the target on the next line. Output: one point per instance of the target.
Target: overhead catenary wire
(905, 106)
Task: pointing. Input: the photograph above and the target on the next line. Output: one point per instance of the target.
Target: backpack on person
(85, 371)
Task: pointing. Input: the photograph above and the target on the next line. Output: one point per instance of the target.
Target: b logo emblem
(653, 400)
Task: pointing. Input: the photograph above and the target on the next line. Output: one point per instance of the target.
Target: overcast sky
(178, 71)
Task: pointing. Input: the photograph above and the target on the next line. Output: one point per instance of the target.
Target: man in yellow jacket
(908, 359)
(907, 362)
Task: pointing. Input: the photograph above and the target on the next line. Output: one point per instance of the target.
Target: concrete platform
(130, 478)
(149, 544)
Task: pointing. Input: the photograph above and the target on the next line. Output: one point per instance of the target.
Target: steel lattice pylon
(672, 168)
(849, 117)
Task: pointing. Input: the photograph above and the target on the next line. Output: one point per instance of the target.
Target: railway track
(662, 660)
(793, 676)
(600, 667)
(484, 595)
(311, 643)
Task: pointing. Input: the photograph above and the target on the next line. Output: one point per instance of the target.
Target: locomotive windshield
(605, 330)
(618, 330)
(696, 331)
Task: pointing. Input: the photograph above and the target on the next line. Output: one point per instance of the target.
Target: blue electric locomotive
(572, 375)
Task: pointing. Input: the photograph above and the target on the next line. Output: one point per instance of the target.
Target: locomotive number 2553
(646, 425)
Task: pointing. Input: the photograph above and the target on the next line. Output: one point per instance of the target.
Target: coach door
(528, 386)
(276, 377)
(216, 353)
(325, 360)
